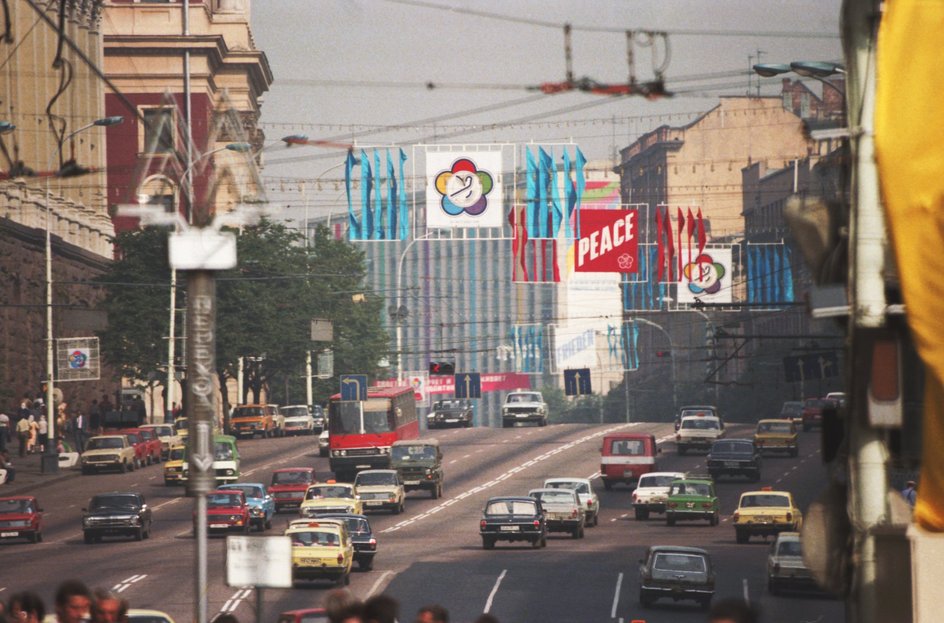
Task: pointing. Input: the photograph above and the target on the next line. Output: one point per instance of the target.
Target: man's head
(910, 484)
(108, 607)
(433, 613)
(732, 611)
(381, 609)
(342, 606)
(73, 600)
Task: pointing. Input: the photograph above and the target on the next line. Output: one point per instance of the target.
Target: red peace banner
(608, 242)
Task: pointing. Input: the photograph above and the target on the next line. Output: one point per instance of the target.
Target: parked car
(675, 572)
(365, 543)
(119, 513)
(288, 486)
(21, 516)
(108, 452)
(785, 566)
(778, 435)
(227, 511)
(625, 457)
(380, 489)
(297, 420)
(734, 457)
(323, 443)
(167, 435)
(588, 498)
(450, 413)
(562, 510)
(512, 519)
(419, 463)
(692, 498)
(142, 448)
(261, 504)
(651, 492)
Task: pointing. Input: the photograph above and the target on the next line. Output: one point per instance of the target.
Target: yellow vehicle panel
(331, 497)
(320, 550)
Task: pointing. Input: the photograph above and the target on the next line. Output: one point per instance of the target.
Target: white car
(589, 501)
(298, 420)
(651, 491)
(698, 431)
(323, 443)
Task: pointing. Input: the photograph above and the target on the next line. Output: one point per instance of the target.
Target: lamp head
(239, 147)
(816, 69)
(107, 121)
(295, 139)
(769, 70)
(6, 126)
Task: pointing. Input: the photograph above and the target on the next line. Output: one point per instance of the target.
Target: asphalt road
(433, 553)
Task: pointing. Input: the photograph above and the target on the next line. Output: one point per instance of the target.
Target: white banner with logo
(464, 189)
(77, 359)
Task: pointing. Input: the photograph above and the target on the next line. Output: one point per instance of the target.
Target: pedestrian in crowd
(381, 609)
(4, 430)
(26, 607)
(7, 464)
(910, 492)
(41, 436)
(26, 405)
(433, 613)
(342, 606)
(140, 409)
(22, 433)
(33, 433)
(108, 607)
(79, 431)
(732, 611)
(73, 602)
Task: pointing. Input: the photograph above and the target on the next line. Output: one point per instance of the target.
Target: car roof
(314, 524)
(17, 497)
(429, 441)
(510, 498)
(293, 469)
(788, 536)
(566, 479)
(344, 516)
(767, 492)
(549, 489)
(775, 419)
(233, 485)
(698, 480)
(681, 549)
(678, 475)
(377, 471)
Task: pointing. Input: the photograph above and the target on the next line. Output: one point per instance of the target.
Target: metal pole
(308, 391)
(201, 409)
(258, 604)
(672, 353)
(50, 460)
(171, 369)
(240, 379)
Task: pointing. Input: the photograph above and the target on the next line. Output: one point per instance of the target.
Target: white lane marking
(378, 583)
(453, 461)
(619, 582)
(480, 450)
(779, 480)
(505, 476)
(506, 440)
(126, 583)
(153, 478)
(233, 602)
(167, 503)
(466, 456)
(593, 476)
(2, 588)
(491, 596)
(747, 596)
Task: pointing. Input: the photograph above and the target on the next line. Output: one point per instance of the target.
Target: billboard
(707, 277)
(464, 189)
(608, 242)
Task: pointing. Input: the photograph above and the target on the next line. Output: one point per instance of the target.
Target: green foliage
(562, 408)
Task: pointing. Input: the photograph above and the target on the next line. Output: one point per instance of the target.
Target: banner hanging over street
(608, 242)
(464, 189)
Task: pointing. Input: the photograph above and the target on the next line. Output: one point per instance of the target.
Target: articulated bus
(361, 433)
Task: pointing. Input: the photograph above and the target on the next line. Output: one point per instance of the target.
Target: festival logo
(464, 189)
(707, 277)
(78, 359)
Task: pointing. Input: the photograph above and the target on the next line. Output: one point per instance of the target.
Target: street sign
(263, 562)
(469, 385)
(811, 367)
(354, 387)
(577, 382)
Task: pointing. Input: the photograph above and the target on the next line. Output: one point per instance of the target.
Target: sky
(356, 71)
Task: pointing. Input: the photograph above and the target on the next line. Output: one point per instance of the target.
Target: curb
(18, 488)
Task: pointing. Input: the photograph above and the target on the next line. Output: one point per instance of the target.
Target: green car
(692, 498)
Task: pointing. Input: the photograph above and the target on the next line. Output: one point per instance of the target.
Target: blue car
(261, 504)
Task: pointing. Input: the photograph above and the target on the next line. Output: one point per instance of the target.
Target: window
(158, 135)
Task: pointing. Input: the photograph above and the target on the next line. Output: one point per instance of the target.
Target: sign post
(577, 382)
(468, 385)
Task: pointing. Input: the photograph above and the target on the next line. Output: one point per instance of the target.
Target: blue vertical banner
(787, 275)
(543, 230)
(751, 273)
(390, 224)
(547, 161)
(570, 198)
(581, 186)
(377, 232)
(768, 274)
(367, 183)
(401, 201)
(776, 274)
(354, 226)
(531, 192)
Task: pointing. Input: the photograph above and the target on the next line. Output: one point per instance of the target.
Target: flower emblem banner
(464, 189)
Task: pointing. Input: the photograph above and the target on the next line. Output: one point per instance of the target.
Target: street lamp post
(50, 459)
(714, 336)
(398, 312)
(671, 353)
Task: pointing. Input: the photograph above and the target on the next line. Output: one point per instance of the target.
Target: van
(255, 419)
(225, 459)
(624, 457)
(419, 463)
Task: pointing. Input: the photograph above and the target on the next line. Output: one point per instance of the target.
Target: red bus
(360, 433)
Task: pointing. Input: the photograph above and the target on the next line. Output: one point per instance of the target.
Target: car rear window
(679, 562)
(789, 548)
(773, 427)
(648, 480)
(627, 447)
(291, 478)
(700, 423)
(690, 488)
(382, 478)
(765, 499)
(733, 447)
(511, 507)
(560, 496)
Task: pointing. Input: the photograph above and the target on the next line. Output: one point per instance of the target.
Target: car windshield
(375, 478)
(217, 500)
(557, 496)
(103, 443)
(679, 562)
(511, 507)
(413, 453)
(789, 548)
(765, 499)
(181, 424)
(147, 435)
(733, 447)
(250, 491)
(311, 538)
(294, 411)
(355, 525)
(162, 431)
(177, 454)
(291, 478)
(248, 412)
(773, 427)
(15, 506)
(223, 451)
(627, 447)
(700, 423)
(656, 481)
(690, 488)
(328, 491)
(524, 398)
(791, 407)
(113, 502)
(346, 417)
(579, 487)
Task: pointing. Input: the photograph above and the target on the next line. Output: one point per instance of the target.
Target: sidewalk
(29, 476)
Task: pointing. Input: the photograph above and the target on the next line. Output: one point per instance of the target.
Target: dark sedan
(450, 413)
(365, 543)
(116, 514)
(513, 519)
(676, 573)
(734, 457)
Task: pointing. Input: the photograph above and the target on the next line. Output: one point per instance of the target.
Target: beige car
(108, 452)
(168, 436)
(380, 489)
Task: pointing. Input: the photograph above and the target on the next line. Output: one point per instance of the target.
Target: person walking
(41, 436)
(4, 430)
(31, 442)
(910, 493)
(79, 427)
(22, 433)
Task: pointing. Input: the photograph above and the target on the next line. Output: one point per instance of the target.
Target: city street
(433, 552)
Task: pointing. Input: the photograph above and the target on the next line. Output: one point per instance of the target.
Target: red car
(21, 516)
(227, 510)
(151, 445)
(305, 615)
(813, 412)
(289, 485)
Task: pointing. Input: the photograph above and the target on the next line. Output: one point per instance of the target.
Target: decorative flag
(377, 232)
(534, 259)
(570, 198)
(690, 235)
(670, 251)
(390, 231)
(661, 248)
(401, 201)
(787, 275)
(581, 186)
(702, 238)
(354, 226)
(531, 190)
(680, 220)
(543, 216)
(367, 184)
(749, 256)
(776, 274)
(556, 212)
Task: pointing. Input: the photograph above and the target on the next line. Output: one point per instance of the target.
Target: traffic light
(442, 367)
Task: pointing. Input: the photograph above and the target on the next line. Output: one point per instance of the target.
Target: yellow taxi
(175, 468)
(321, 550)
(180, 425)
(766, 512)
(330, 497)
(777, 435)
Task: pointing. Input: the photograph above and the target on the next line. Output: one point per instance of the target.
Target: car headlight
(256, 511)
(230, 472)
(135, 520)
